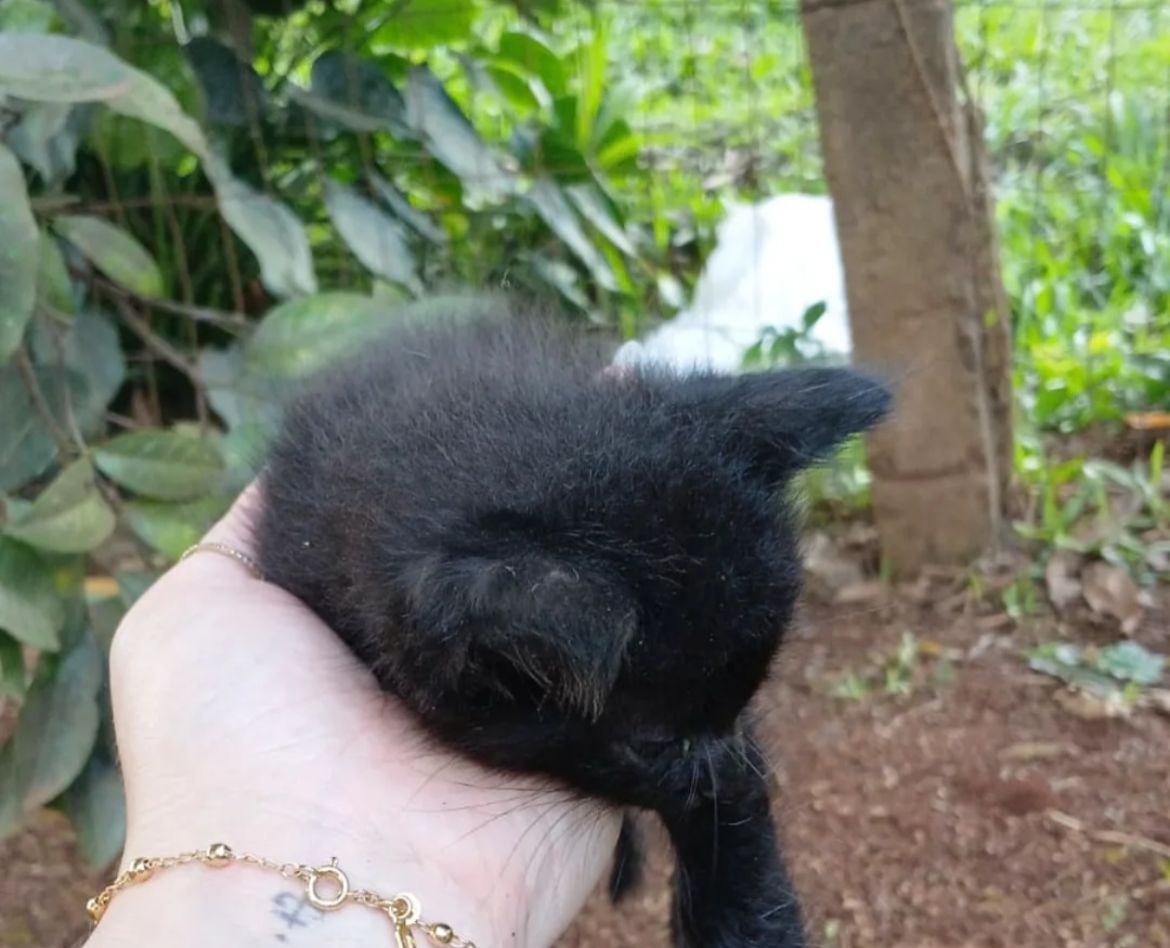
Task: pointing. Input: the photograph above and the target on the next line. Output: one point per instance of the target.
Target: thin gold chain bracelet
(403, 909)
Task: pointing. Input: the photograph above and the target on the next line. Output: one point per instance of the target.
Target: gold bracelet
(403, 909)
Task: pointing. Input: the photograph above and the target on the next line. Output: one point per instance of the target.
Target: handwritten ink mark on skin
(294, 910)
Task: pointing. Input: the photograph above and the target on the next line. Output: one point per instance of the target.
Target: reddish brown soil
(967, 813)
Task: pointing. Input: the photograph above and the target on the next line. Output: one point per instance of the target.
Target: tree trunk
(904, 161)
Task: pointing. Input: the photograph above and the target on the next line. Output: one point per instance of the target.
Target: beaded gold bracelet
(403, 909)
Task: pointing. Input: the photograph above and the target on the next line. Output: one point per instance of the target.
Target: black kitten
(572, 573)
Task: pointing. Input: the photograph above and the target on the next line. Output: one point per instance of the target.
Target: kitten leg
(627, 862)
(731, 887)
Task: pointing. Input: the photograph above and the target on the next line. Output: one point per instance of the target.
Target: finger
(229, 547)
(237, 527)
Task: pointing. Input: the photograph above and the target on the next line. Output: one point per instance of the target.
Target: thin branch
(225, 319)
(159, 346)
(40, 403)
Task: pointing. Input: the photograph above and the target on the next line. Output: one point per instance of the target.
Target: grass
(1076, 99)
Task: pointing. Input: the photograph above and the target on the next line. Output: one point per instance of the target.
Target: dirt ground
(972, 810)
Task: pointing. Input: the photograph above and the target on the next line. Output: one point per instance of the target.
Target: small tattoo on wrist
(295, 911)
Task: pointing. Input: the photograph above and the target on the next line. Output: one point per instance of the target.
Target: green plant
(183, 238)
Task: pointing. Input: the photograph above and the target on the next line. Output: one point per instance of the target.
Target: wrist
(262, 895)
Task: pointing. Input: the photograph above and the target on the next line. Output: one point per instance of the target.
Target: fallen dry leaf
(1110, 591)
(825, 564)
(865, 591)
(1062, 578)
(1037, 750)
(1091, 707)
(1158, 699)
(1148, 420)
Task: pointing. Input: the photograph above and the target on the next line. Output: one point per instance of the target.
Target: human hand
(242, 719)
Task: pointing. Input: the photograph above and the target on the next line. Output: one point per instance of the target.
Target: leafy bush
(164, 276)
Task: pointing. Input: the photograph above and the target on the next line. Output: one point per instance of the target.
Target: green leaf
(88, 357)
(301, 336)
(450, 137)
(26, 447)
(237, 393)
(535, 58)
(591, 63)
(113, 251)
(69, 516)
(26, 16)
(595, 208)
(548, 199)
(423, 24)
(46, 138)
(12, 673)
(161, 464)
(96, 806)
(375, 238)
(133, 585)
(54, 734)
(171, 528)
(30, 608)
(18, 255)
(354, 93)
(271, 231)
(1130, 661)
(54, 288)
(406, 212)
(233, 91)
(52, 68)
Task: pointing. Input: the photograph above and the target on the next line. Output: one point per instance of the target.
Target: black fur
(569, 572)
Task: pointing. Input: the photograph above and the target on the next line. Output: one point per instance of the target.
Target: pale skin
(242, 719)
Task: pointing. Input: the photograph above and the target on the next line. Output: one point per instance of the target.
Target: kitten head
(635, 591)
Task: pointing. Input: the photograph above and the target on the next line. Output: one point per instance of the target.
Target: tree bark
(905, 164)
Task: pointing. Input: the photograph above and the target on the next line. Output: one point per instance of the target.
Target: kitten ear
(529, 617)
(788, 419)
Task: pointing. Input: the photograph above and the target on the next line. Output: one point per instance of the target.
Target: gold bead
(95, 909)
(219, 854)
(140, 870)
(443, 934)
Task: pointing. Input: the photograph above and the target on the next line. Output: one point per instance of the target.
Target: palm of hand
(242, 718)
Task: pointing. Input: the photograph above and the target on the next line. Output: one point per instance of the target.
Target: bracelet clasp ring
(327, 903)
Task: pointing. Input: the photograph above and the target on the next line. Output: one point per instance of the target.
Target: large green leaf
(55, 733)
(26, 446)
(375, 238)
(18, 255)
(96, 806)
(26, 16)
(113, 251)
(232, 89)
(270, 230)
(52, 68)
(240, 395)
(353, 93)
(171, 528)
(162, 464)
(423, 24)
(69, 516)
(550, 202)
(46, 138)
(30, 608)
(534, 57)
(301, 336)
(451, 138)
(88, 350)
(595, 208)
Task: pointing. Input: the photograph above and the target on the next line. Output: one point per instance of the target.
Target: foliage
(191, 223)
(1121, 669)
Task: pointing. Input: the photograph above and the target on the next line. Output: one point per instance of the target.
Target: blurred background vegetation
(200, 202)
